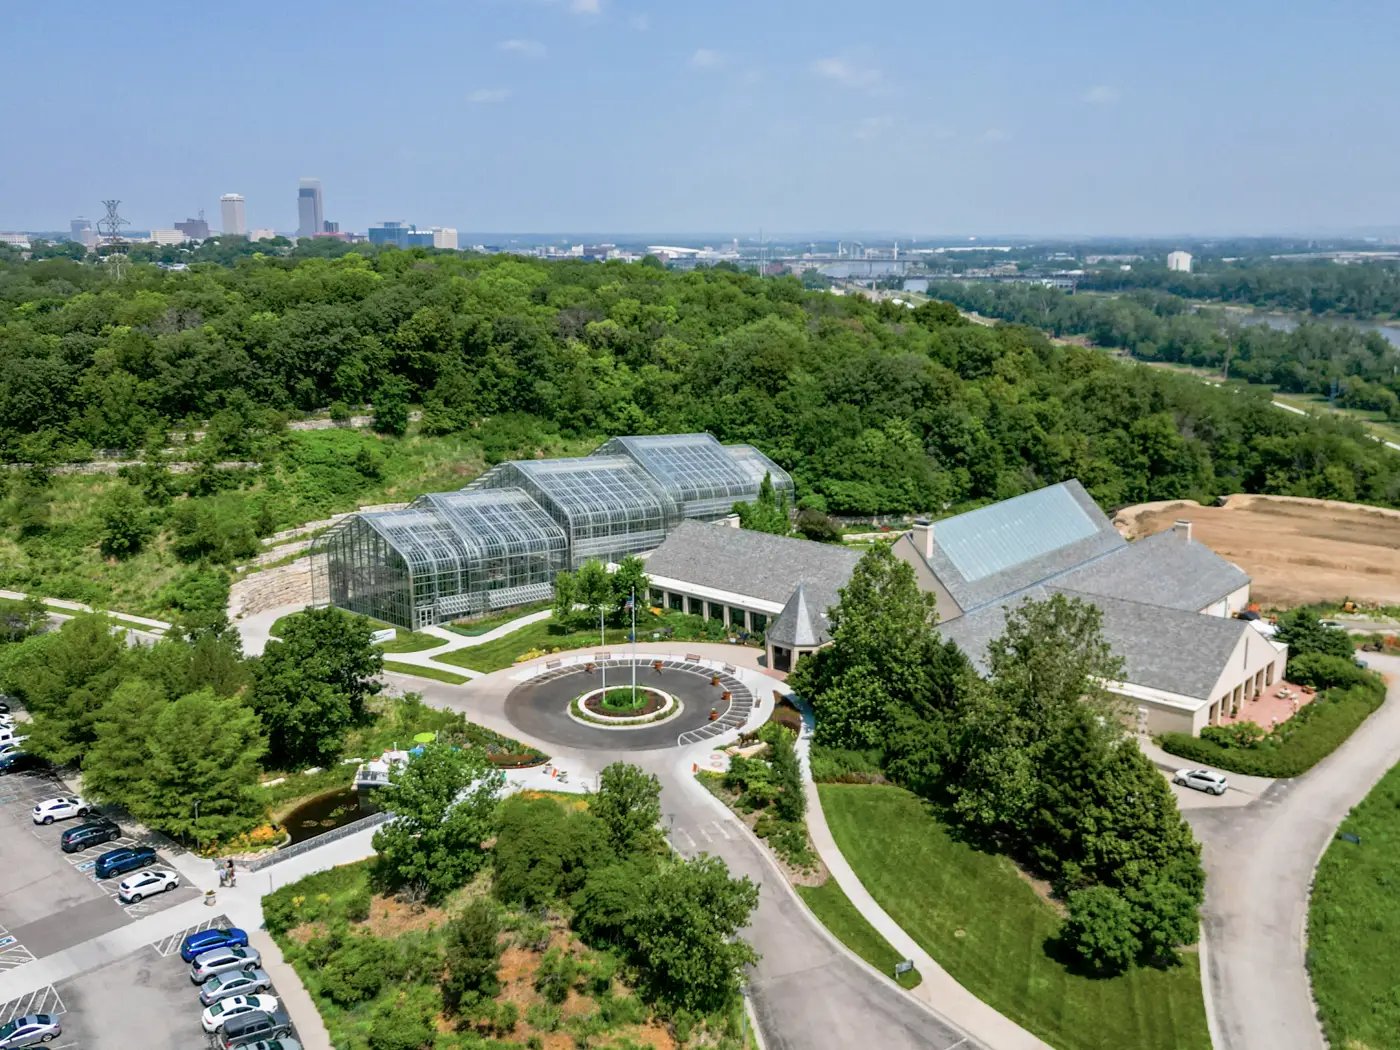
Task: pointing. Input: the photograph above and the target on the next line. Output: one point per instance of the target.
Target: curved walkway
(1259, 865)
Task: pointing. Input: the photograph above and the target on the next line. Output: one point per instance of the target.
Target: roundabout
(686, 701)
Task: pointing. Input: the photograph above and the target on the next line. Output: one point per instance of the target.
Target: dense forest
(1367, 292)
(872, 407)
(1155, 326)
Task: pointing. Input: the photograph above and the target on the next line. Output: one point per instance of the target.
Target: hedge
(1297, 745)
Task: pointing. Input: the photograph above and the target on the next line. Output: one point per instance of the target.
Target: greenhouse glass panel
(694, 469)
(754, 464)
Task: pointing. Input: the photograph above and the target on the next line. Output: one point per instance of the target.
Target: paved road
(1259, 862)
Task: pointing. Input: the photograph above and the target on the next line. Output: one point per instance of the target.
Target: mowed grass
(1354, 925)
(402, 642)
(987, 926)
(435, 673)
(830, 904)
(542, 635)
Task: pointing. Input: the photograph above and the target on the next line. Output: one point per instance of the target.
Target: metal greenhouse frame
(606, 505)
(703, 477)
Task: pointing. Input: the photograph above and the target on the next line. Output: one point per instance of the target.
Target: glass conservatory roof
(496, 521)
(688, 466)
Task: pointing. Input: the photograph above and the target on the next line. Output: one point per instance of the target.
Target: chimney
(1183, 529)
(922, 535)
(732, 520)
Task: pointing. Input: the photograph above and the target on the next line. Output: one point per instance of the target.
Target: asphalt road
(1259, 861)
(540, 709)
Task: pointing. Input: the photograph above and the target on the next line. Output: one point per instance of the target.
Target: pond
(324, 813)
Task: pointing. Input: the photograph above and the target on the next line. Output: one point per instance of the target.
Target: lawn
(479, 626)
(830, 904)
(1354, 924)
(402, 642)
(987, 926)
(546, 636)
(437, 674)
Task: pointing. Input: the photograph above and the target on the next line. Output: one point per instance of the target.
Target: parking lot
(51, 900)
(143, 1000)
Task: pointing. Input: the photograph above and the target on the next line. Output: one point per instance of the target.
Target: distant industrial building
(167, 237)
(262, 233)
(1179, 262)
(233, 215)
(311, 218)
(194, 229)
(407, 235)
(445, 237)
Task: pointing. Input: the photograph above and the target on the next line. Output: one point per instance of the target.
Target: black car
(20, 762)
(120, 861)
(252, 1027)
(4, 706)
(92, 833)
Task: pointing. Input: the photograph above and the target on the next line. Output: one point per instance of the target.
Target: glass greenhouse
(501, 541)
(704, 478)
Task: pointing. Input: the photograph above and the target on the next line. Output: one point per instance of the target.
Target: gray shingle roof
(798, 625)
(1002, 549)
(1169, 649)
(754, 563)
(1163, 569)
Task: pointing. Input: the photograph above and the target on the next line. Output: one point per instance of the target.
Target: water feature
(323, 813)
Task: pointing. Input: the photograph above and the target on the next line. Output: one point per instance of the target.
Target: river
(1288, 322)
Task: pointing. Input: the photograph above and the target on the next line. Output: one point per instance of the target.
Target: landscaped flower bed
(625, 703)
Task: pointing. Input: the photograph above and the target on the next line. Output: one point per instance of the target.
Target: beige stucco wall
(1163, 718)
(905, 550)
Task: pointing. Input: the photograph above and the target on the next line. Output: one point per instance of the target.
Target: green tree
(443, 802)
(311, 687)
(768, 513)
(391, 407)
(1100, 931)
(199, 598)
(565, 597)
(543, 852)
(357, 969)
(1302, 631)
(206, 749)
(628, 579)
(594, 589)
(21, 618)
(791, 802)
(126, 523)
(628, 804)
(116, 766)
(684, 933)
(473, 956)
(604, 902)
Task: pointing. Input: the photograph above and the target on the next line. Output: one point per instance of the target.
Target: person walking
(221, 872)
(232, 876)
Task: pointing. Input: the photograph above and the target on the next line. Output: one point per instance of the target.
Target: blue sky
(711, 115)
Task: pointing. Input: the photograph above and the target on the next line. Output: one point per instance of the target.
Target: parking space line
(171, 945)
(44, 1001)
(12, 953)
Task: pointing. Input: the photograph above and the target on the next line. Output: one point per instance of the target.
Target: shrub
(1297, 745)
(555, 975)
(1099, 930)
(836, 765)
(1323, 671)
(401, 1026)
(357, 970)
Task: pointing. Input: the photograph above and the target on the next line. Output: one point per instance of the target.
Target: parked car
(29, 1029)
(146, 884)
(4, 705)
(93, 833)
(196, 944)
(223, 960)
(1202, 780)
(51, 809)
(261, 1030)
(17, 761)
(239, 982)
(225, 1010)
(120, 861)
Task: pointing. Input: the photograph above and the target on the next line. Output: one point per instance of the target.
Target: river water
(1288, 322)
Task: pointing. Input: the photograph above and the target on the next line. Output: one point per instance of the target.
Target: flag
(630, 603)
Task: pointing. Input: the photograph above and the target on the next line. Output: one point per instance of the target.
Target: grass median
(830, 904)
(987, 926)
(435, 673)
(1354, 924)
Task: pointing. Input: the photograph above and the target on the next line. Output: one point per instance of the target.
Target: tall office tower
(310, 213)
(81, 231)
(233, 214)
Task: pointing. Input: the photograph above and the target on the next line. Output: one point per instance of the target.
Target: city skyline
(616, 116)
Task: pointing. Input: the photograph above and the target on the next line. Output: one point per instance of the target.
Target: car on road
(51, 809)
(16, 761)
(146, 884)
(93, 833)
(222, 960)
(239, 982)
(266, 1031)
(225, 1010)
(120, 861)
(1201, 780)
(196, 944)
(28, 1030)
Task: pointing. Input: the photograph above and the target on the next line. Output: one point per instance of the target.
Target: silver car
(275, 1044)
(1202, 780)
(222, 960)
(29, 1029)
(234, 982)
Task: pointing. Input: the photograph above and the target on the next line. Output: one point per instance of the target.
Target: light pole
(603, 641)
(632, 604)
(196, 823)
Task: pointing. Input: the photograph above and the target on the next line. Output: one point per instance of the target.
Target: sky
(710, 116)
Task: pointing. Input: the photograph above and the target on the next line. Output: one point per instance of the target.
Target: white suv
(1202, 780)
(51, 809)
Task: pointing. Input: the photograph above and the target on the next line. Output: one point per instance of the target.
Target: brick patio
(1268, 709)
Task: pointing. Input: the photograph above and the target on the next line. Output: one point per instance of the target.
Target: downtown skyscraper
(311, 218)
(232, 214)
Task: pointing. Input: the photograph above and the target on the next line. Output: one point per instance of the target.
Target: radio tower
(112, 244)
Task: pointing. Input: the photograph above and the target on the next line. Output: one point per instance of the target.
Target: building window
(714, 611)
(678, 602)
(758, 622)
(738, 618)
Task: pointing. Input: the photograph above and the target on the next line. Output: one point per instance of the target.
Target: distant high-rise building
(1180, 262)
(194, 229)
(81, 230)
(330, 227)
(444, 237)
(233, 215)
(311, 218)
(402, 235)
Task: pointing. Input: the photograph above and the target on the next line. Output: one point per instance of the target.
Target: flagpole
(603, 641)
(633, 603)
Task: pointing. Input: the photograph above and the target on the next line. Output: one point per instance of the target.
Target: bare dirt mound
(1297, 550)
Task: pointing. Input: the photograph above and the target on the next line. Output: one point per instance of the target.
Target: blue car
(208, 940)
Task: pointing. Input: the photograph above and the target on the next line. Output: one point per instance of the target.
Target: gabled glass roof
(422, 537)
(496, 521)
(992, 539)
